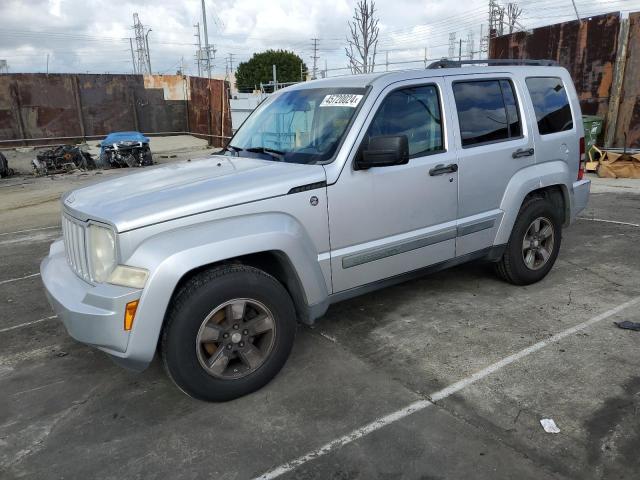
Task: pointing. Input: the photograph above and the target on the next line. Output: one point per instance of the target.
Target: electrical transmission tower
(314, 57)
(452, 44)
(471, 45)
(4, 66)
(484, 42)
(496, 19)
(143, 61)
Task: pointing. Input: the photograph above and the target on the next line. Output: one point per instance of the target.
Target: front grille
(74, 233)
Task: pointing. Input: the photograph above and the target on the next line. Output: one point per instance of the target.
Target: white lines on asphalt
(609, 221)
(29, 230)
(26, 324)
(11, 280)
(439, 395)
(37, 388)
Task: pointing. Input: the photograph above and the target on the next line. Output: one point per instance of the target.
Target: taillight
(581, 160)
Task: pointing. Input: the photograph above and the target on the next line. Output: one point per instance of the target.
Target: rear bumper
(91, 314)
(581, 190)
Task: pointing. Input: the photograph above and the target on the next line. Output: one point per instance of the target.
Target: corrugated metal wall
(589, 51)
(40, 106)
(629, 110)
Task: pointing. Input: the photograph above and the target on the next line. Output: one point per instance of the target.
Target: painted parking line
(609, 221)
(29, 230)
(26, 324)
(439, 395)
(11, 280)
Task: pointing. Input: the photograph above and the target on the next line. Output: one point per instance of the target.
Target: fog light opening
(130, 314)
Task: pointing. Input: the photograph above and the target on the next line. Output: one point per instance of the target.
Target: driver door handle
(441, 169)
(523, 152)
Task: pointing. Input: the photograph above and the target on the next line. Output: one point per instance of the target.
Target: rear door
(494, 142)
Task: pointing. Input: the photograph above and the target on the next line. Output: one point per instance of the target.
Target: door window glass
(487, 111)
(551, 104)
(414, 112)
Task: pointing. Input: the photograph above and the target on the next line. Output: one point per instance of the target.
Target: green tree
(258, 69)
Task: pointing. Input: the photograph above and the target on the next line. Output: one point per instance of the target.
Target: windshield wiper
(231, 148)
(277, 154)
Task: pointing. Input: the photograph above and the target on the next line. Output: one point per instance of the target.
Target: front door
(389, 220)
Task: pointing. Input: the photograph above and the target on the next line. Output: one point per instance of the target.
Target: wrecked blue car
(125, 149)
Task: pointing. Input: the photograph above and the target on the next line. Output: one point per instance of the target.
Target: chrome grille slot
(74, 233)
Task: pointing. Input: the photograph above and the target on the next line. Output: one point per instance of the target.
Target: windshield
(298, 126)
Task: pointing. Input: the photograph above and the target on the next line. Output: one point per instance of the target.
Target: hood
(166, 192)
(124, 137)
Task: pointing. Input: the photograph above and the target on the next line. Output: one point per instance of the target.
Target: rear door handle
(523, 152)
(441, 169)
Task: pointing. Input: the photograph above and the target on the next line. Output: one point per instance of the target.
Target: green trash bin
(592, 129)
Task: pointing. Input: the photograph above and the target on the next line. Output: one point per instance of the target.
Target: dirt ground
(447, 376)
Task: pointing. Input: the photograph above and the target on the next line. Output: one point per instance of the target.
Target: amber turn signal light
(130, 314)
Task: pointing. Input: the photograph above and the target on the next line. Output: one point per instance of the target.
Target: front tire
(228, 333)
(533, 245)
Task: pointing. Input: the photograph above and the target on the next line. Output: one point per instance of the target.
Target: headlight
(129, 276)
(102, 252)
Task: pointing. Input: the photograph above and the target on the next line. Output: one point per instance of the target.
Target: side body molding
(170, 255)
(525, 181)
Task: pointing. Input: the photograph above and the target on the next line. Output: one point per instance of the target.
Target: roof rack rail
(446, 63)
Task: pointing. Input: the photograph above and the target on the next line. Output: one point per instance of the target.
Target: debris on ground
(627, 325)
(549, 425)
(125, 149)
(5, 171)
(614, 162)
(62, 159)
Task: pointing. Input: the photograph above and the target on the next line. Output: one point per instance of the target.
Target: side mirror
(384, 151)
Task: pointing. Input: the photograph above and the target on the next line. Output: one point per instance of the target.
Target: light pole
(146, 40)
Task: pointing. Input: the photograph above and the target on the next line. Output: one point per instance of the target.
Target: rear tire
(229, 331)
(533, 245)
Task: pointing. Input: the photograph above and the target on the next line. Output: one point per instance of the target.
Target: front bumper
(91, 314)
(581, 190)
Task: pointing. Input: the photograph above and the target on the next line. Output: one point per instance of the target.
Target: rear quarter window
(551, 104)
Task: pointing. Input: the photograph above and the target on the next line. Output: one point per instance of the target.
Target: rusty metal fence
(602, 54)
(40, 109)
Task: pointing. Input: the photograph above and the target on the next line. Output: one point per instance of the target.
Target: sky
(92, 36)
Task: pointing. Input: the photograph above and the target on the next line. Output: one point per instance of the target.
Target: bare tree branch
(513, 13)
(363, 41)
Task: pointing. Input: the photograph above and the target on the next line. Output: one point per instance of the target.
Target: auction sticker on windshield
(341, 100)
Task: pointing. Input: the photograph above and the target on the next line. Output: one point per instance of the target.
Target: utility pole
(386, 61)
(575, 9)
(275, 80)
(199, 50)
(460, 51)
(133, 59)
(47, 64)
(231, 63)
(314, 57)
(206, 40)
(425, 57)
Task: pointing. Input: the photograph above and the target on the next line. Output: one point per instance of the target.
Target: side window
(551, 104)
(487, 111)
(414, 112)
